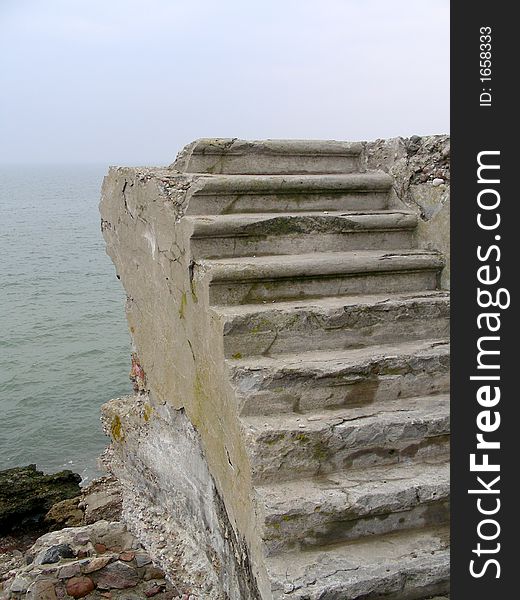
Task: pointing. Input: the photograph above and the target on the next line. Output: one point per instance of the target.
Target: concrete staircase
(336, 339)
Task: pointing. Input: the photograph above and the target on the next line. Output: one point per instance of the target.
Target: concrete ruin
(288, 305)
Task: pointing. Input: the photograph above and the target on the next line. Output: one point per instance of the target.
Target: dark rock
(54, 553)
(77, 587)
(26, 495)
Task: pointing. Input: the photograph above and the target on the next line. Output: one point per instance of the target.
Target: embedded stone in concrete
(291, 435)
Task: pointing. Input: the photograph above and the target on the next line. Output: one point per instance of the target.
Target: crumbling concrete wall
(421, 170)
(180, 348)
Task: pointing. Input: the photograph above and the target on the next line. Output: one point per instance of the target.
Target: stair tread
(327, 303)
(323, 263)
(330, 361)
(305, 222)
(363, 489)
(406, 564)
(417, 408)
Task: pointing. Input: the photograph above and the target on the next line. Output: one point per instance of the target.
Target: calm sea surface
(64, 347)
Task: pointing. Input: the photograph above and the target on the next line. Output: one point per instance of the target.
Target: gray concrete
(291, 434)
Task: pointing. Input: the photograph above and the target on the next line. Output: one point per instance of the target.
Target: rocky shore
(58, 540)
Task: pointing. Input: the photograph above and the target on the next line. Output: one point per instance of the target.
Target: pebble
(437, 181)
(127, 556)
(100, 548)
(77, 587)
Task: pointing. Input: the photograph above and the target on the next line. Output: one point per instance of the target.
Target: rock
(54, 553)
(153, 591)
(95, 564)
(26, 494)
(437, 181)
(20, 584)
(82, 538)
(100, 548)
(78, 587)
(142, 559)
(70, 570)
(153, 572)
(65, 514)
(127, 556)
(42, 589)
(117, 575)
(102, 500)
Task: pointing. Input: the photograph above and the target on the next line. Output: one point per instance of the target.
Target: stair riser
(294, 454)
(429, 582)
(304, 532)
(342, 392)
(384, 379)
(224, 204)
(297, 288)
(344, 328)
(227, 247)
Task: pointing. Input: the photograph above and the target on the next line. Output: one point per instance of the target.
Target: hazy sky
(132, 81)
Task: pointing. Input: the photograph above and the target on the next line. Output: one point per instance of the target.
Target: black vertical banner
(485, 239)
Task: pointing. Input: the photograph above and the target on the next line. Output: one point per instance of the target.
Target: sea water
(64, 346)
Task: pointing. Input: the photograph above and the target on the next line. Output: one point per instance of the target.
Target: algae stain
(147, 412)
(236, 356)
(182, 307)
(116, 429)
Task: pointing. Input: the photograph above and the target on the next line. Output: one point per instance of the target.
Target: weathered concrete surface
(420, 167)
(172, 503)
(287, 332)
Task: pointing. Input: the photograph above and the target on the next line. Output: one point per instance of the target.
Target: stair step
(334, 322)
(245, 280)
(343, 506)
(228, 194)
(231, 155)
(321, 380)
(221, 236)
(287, 447)
(411, 565)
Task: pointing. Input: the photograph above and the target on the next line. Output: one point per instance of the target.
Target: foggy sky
(132, 81)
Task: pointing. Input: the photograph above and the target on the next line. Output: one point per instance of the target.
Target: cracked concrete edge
(420, 167)
(170, 317)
